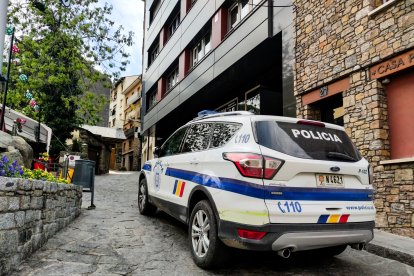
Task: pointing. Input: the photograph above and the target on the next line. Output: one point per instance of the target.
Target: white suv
(261, 183)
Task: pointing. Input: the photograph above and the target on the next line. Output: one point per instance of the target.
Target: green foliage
(59, 50)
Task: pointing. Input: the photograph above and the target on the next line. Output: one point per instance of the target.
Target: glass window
(152, 99)
(306, 141)
(172, 79)
(197, 138)
(222, 133)
(173, 144)
(153, 52)
(174, 25)
(154, 10)
(201, 49)
(238, 11)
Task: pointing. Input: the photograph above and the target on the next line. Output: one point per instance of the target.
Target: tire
(331, 251)
(145, 208)
(207, 249)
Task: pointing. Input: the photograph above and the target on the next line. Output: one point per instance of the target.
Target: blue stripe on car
(147, 167)
(276, 193)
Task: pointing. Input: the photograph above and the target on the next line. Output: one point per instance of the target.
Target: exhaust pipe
(358, 246)
(284, 253)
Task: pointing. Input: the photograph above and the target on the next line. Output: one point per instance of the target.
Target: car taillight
(254, 165)
(249, 234)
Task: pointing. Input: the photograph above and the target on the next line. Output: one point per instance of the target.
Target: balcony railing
(133, 98)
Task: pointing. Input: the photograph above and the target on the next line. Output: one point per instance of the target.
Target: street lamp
(7, 78)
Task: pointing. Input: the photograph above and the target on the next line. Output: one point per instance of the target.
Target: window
(222, 133)
(378, 3)
(306, 141)
(152, 99)
(238, 11)
(154, 10)
(153, 52)
(173, 144)
(197, 138)
(172, 79)
(201, 49)
(173, 26)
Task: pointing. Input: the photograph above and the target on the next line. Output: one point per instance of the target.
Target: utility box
(84, 176)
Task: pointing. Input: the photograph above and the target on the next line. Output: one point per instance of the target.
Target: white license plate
(329, 180)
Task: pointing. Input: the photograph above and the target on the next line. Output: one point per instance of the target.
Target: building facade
(216, 55)
(125, 114)
(354, 66)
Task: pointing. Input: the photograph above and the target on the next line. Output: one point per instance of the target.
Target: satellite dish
(65, 3)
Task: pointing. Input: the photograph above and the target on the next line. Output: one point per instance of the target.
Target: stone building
(354, 65)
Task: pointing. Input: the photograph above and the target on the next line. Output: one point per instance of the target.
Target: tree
(60, 51)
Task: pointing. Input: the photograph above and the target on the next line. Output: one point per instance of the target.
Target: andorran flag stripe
(336, 218)
(179, 188)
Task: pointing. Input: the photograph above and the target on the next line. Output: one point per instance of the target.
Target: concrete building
(214, 54)
(125, 110)
(354, 66)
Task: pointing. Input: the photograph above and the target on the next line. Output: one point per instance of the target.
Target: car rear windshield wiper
(338, 155)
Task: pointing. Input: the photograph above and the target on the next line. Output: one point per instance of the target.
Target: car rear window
(306, 141)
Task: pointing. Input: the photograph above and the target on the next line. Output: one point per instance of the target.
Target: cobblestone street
(114, 239)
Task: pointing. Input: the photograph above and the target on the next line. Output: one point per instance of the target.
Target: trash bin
(84, 176)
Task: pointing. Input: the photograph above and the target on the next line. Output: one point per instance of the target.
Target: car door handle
(194, 162)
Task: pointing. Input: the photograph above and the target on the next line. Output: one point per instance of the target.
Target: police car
(261, 183)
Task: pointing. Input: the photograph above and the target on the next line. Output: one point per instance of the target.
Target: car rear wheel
(144, 206)
(207, 249)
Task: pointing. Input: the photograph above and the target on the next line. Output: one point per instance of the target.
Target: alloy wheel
(200, 233)
(142, 197)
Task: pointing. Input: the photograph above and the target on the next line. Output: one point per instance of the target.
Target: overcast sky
(130, 14)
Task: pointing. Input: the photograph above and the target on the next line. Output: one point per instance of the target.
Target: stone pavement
(114, 239)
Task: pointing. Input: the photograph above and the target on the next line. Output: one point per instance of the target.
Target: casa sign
(392, 65)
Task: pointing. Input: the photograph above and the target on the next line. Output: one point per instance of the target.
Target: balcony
(133, 98)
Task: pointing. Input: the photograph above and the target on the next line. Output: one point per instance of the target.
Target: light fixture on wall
(385, 81)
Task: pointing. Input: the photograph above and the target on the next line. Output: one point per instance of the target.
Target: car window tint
(222, 133)
(197, 137)
(306, 141)
(172, 145)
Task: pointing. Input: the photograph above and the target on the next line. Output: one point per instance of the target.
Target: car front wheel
(207, 249)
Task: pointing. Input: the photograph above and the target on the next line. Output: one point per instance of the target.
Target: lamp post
(7, 80)
(3, 22)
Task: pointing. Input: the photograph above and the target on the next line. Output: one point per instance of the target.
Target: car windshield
(306, 141)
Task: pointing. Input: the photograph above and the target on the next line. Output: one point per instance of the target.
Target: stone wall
(338, 39)
(32, 211)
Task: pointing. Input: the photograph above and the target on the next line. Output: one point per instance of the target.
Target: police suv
(261, 183)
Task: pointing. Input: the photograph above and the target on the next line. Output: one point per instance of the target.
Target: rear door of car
(323, 178)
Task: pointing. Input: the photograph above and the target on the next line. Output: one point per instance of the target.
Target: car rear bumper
(297, 237)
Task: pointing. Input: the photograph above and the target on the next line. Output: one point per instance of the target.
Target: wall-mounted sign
(392, 65)
(324, 91)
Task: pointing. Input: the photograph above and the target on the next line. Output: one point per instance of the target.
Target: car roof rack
(208, 114)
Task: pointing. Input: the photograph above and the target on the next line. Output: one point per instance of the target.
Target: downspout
(269, 18)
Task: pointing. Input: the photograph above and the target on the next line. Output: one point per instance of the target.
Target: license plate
(329, 180)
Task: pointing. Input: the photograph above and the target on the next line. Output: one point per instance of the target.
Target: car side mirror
(156, 152)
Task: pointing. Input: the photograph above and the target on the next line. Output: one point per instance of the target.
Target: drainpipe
(269, 18)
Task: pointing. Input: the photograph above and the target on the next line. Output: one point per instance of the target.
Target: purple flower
(5, 159)
(11, 169)
(1, 165)
(14, 163)
(2, 172)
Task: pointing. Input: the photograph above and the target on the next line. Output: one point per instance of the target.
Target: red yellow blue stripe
(179, 188)
(335, 218)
